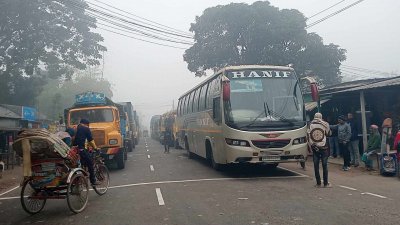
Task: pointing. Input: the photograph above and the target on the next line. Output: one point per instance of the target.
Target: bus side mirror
(226, 90)
(217, 109)
(314, 92)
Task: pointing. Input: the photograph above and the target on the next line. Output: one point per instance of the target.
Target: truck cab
(105, 124)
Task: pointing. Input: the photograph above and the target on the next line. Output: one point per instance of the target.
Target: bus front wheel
(119, 157)
(210, 158)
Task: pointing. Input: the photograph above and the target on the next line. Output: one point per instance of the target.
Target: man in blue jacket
(83, 133)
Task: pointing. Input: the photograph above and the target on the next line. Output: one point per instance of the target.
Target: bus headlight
(113, 141)
(236, 142)
(298, 141)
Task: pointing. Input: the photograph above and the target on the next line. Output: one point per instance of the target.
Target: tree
(43, 35)
(242, 34)
(58, 95)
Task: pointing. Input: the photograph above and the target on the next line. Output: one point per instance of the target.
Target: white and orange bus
(245, 114)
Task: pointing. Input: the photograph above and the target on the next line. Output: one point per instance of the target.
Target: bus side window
(178, 111)
(190, 102)
(217, 110)
(202, 97)
(213, 91)
(184, 108)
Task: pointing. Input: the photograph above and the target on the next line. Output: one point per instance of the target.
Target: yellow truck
(167, 121)
(107, 123)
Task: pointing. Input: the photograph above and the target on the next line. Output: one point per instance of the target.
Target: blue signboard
(90, 98)
(28, 113)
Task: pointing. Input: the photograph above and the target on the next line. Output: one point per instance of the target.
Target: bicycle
(101, 173)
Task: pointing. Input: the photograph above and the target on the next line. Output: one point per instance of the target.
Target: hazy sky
(152, 76)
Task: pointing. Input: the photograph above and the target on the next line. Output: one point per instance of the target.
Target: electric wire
(333, 14)
(125, 28)
(369, 70)
(140, 39)
(322, 11)
(117, 16)
(160, 25)
(128, 27)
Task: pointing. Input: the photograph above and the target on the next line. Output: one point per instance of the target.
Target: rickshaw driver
(83, 133)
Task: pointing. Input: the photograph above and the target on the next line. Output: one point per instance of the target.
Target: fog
(153, 77)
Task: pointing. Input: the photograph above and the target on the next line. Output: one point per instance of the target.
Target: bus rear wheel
(189, 153)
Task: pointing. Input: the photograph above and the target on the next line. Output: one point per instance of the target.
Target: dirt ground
(10, 178)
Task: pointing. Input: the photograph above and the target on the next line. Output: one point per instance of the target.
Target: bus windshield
(264, 98)
(93, 115)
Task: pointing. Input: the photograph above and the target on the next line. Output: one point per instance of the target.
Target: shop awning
(312, 105)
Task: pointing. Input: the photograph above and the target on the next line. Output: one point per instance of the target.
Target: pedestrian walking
(317, 133)
(374, 145)
(167, 140)
(344, 135)
(354, 142)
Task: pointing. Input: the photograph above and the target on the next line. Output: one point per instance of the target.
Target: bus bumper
(292, 153)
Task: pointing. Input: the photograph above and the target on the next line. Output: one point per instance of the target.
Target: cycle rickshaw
(52, 171)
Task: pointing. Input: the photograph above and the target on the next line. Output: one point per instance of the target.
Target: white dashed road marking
(349, 188)
(152, 168)
(148, 156)
(15, 197)
(159, 197)
(372, 194)
(363, 193)
(12, 189)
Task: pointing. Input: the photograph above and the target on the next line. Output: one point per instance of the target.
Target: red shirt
(396, 140)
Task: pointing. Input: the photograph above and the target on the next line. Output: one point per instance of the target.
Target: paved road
(157, 188)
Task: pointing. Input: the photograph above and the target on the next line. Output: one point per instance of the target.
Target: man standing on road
(316, 134)
(167, 139)
(353, 145)
(344, 135)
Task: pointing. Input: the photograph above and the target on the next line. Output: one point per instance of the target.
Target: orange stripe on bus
(207, 131)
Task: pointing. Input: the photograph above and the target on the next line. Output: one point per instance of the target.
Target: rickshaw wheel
(78, 193)
(31, 206)
(103, 178)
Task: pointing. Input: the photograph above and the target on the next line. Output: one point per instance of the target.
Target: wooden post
(363, 120)
(26, 149)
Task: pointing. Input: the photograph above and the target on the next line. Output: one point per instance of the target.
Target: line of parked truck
(115, 126)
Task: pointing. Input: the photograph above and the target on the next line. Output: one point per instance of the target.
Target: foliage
(242, 34)
(58, 95)
(43, 35)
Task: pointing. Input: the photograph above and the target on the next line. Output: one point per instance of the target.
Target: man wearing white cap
(374, 144)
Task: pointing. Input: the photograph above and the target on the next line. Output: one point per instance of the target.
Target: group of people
(342, 140)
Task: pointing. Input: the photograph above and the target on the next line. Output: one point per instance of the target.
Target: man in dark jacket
(83, 133)
(353, 144)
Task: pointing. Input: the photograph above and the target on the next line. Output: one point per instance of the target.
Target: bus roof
(238, 68)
